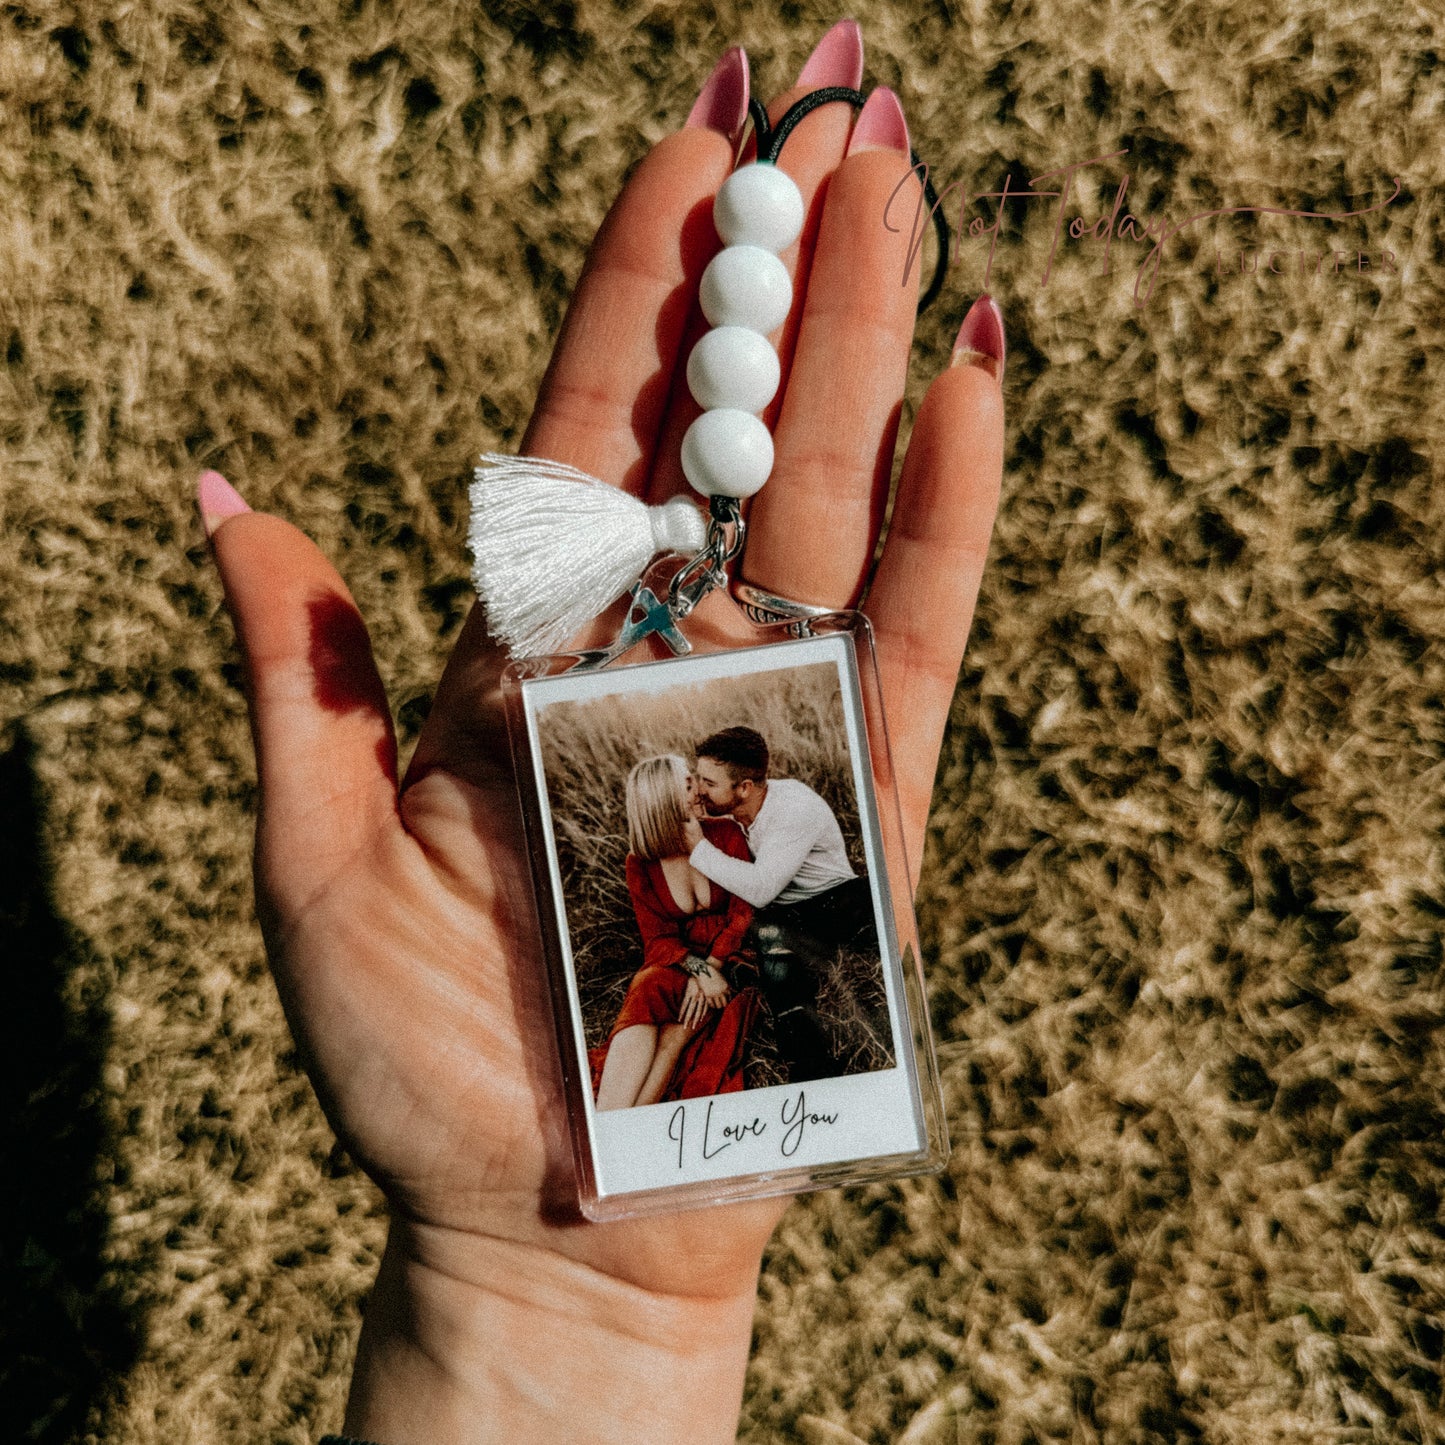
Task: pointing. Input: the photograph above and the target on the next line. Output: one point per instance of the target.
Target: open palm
(399, 919)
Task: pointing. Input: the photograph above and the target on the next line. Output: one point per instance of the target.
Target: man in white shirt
(800, 862)
(807, 896)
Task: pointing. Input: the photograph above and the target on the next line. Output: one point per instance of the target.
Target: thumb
(325, 747)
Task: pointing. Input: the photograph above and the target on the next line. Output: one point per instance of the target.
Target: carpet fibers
(1183, 896)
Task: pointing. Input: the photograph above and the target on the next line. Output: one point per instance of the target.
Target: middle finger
(810, 156)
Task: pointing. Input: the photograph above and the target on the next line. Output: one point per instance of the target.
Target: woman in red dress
(683, 1026)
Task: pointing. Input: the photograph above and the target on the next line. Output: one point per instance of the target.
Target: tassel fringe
(553, 547)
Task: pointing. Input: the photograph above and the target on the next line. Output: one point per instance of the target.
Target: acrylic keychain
(716, 841)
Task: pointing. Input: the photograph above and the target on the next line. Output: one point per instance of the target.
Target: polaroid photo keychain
(716, 841)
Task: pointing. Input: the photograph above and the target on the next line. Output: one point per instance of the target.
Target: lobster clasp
(706, 570)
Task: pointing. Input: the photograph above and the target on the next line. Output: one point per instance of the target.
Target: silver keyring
(767, 608)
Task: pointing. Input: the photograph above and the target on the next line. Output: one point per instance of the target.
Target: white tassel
(552, 547)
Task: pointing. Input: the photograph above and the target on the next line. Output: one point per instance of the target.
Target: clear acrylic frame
(778, 1127)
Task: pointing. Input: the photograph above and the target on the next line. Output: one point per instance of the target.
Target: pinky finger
(922, 599)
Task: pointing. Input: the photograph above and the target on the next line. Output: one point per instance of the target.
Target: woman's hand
(704, 991)
(695, 808)
(397, 915)
(692, 832)
(714, 987)
(694, 1005)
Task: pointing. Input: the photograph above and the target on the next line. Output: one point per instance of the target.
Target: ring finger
(813, 528)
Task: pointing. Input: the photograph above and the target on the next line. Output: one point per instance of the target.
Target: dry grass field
(1182, 899)
(588, 749)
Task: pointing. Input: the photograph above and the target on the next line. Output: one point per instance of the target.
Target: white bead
(733, 367)
(727, 453)
(759, 205)
(746, 286)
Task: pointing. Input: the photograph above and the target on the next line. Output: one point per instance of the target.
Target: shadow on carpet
(65, 1335)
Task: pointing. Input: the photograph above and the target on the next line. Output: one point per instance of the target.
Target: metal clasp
(703, 572)
(706, 570)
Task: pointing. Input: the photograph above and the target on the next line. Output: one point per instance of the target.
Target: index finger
(601, 402)
(602, 399)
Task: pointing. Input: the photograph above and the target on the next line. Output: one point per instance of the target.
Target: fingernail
(880, 125)
(722, 103)
(217, 499)
(837, 59)
(981, 340)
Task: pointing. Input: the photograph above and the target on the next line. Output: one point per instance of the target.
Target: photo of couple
(721, 915)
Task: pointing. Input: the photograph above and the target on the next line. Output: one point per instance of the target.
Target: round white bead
(733, 367)
(746, 286)
(759, 205)
(727, 453)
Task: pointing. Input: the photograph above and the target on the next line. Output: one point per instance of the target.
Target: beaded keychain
(553, 547)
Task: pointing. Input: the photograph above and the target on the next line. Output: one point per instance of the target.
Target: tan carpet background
(1185, 883)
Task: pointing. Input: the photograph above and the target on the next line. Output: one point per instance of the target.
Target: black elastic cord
(770, 140)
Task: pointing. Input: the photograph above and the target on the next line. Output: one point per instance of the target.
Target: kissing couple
(741, 886)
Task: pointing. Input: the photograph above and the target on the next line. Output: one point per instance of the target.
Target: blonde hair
(657, 807)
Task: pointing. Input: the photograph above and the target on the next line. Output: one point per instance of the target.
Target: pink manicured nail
(880, 126)
(722, 103)
(981, 340)
(837, 59)
(217, 499)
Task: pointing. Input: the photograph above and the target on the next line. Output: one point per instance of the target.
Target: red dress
(712, 1059)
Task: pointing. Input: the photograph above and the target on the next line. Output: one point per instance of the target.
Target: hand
(694, 1005)
(692, 832)
(695, 807)
(713, 985)
(397, 917)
